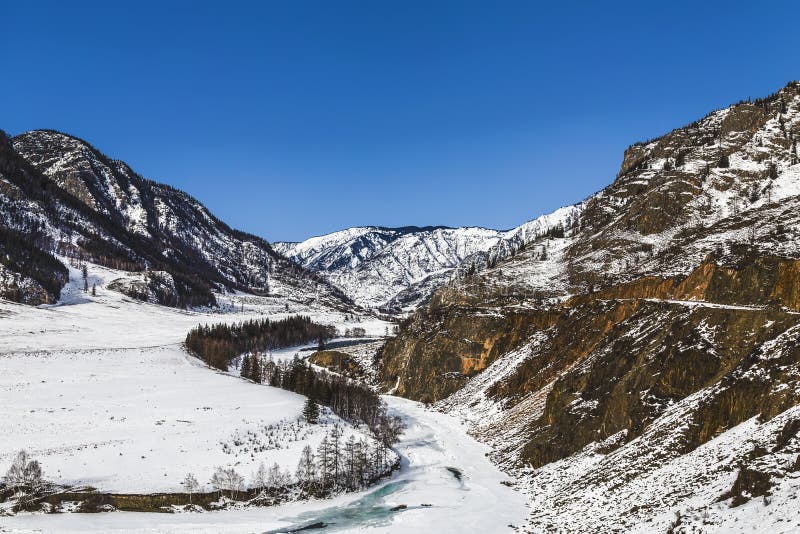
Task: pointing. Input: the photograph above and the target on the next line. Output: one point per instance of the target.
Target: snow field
(105, 395)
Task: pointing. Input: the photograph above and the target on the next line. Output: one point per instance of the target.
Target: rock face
(394, 269)
(398, 269)
(62, 196)
(625, 353)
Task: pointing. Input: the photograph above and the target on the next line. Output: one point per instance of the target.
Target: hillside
(62, 196)
(637, 366)
(397, 270)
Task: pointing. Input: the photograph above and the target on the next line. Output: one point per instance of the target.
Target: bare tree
(190, 484)
(227, 479)
(24, 473)
(306, 468)
(277, 478)
(260, 477)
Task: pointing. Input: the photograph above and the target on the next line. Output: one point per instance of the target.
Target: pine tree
(350, 461)
(255, 369)
(772, 170)
(311, 411)
(362, 464)
(94, 290)
(246, 367)
(85, 273)
(336, 453)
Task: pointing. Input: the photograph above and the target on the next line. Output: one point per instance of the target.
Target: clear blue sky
(291, 119)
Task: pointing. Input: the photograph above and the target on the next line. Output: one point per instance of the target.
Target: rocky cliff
(605, 359)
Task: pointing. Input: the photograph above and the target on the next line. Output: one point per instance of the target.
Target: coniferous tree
(311, 411)
(306, 469)
(350, 462)
(772, 171)
(336, 453)
(324, 462)
(246, 370)
(255, 369)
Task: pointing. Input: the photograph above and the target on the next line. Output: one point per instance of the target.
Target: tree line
(218, 345)
(350, 400)
(336, 465)
(21, 253)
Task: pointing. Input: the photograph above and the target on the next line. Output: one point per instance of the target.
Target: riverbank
(424, 496)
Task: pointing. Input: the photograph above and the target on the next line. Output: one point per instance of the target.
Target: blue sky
(293, 119)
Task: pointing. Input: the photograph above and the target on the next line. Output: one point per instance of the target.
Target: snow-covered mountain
(390, 268)
(58, 194)
(635, 364)
(398, 269)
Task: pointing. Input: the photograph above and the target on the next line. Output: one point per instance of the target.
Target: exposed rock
(611, 361)
(339, 362)
(61, 195)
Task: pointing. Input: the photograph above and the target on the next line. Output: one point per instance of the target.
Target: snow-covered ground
(435, 499)
(101, 392)
(137, 420)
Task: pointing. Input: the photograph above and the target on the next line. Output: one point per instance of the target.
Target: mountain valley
(629, 363)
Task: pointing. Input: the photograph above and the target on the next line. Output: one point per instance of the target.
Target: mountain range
(639, 370)
(631, 360)
(395, 270)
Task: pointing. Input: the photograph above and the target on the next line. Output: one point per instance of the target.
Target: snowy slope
(398, 269)
(375, 265)
(652, 482)
(63, 195)
(425, 496)
(104, 394)
(639, 371)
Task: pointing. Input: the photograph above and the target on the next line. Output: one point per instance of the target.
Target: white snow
(105, 395)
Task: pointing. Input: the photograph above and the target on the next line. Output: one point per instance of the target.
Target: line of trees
(218, 345)
(350, 400)
(337, 464)
(341, 464)
(21, 252)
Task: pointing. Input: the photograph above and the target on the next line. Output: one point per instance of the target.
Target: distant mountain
(394, 269)
(59, 195)
(398, 269)
(635, 359)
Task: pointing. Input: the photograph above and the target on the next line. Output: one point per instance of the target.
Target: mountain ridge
(75, 201)
(636, 369)
(355, 258)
